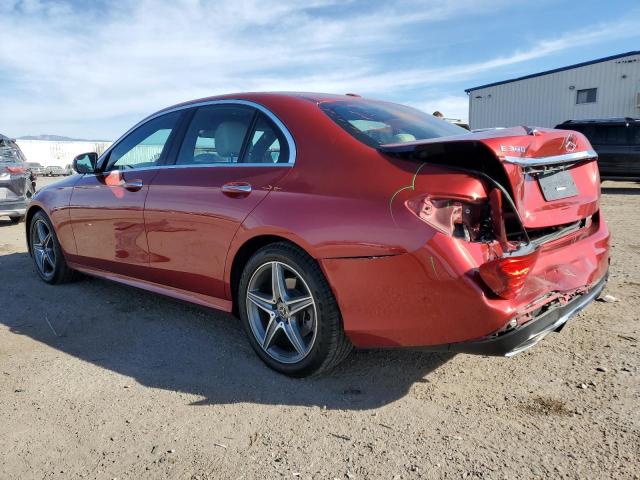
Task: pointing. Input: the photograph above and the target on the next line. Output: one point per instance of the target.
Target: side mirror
(85, 162)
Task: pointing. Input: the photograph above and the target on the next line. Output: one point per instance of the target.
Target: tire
(16, 220)
(308, 317)
(46, 251)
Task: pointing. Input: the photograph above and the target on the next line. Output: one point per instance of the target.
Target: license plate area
(557, 185)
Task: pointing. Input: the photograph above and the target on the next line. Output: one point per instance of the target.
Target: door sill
(191, 297)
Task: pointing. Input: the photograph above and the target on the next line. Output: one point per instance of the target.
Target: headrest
(229, 137)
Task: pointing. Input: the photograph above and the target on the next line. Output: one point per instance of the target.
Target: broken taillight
(468, 220)
(506, 276)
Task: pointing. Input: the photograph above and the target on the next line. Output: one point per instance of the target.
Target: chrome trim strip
(290, 141)
(585, 300)
(551, 160)
(205, 165)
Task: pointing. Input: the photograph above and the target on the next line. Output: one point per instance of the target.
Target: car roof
(259, 97)
(591, 121)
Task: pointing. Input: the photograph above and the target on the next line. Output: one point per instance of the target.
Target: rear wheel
(46, 251)
(289, 312)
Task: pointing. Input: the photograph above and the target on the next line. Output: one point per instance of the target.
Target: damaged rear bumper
(526, 336)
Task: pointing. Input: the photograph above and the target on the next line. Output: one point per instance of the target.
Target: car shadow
(163, 343)
(5, 222)
(620, 191)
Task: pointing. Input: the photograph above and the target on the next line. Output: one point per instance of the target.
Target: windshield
(380, 123)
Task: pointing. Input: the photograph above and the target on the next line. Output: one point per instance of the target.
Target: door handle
(236, 189)
(133, 185)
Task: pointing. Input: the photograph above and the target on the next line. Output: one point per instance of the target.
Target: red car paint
(398, 281)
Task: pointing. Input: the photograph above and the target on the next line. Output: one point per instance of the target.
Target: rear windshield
(9, 152)
(380, 123)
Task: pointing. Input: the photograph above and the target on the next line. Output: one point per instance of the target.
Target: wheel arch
(33, 209)
(245, 251)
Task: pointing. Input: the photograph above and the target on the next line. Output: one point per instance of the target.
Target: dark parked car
(17, 184)
(617, 141)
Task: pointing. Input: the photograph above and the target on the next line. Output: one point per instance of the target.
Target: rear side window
(380, 123)
(267, 143)
(232, 134)
(610, 135)
(216, 135)
(10, 152)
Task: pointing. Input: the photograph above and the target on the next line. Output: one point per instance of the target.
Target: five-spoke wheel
(282, 312)
(46, 252)
(42, 248)
(289, 312)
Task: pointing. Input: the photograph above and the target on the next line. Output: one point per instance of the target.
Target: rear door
(106, 209)
(230, 158)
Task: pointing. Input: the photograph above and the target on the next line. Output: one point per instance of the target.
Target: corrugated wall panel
(547, 100)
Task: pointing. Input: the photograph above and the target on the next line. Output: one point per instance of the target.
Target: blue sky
(91, 69)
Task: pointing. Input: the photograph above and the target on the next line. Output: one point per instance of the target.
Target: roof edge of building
(556, 70)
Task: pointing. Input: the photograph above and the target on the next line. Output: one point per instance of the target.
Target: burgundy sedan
(329, 221)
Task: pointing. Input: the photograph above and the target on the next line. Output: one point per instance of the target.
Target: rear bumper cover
(13, 208)
(529, 334)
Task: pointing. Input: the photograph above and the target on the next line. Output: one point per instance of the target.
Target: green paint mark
(408, 187)
(433, 266)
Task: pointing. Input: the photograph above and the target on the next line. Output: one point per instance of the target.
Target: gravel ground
(99, 380)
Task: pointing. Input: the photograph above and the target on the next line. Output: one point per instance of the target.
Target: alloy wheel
(43, 249)
(282, 312)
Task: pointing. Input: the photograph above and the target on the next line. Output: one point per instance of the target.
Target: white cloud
(91, 72)
(451, 106)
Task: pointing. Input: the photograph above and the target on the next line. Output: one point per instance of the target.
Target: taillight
(463, 219)
(506, 275)
(15, 169)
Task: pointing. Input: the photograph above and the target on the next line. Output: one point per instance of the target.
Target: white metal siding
(59, 153)
(546, 101)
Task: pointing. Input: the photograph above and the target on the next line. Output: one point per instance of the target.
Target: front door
(230, 159)
(107, 209)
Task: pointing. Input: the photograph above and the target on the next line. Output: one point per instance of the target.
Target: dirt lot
(99, 380)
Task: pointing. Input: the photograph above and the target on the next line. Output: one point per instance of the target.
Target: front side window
(144, 146)
(588, 95)
(216, 135)
(380, 123)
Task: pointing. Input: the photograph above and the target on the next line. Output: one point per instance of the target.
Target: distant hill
(56, 138)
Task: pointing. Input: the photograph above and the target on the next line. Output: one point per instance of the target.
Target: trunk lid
(552, 175)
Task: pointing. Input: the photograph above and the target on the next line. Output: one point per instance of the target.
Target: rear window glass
(9, 152)
(380, 123)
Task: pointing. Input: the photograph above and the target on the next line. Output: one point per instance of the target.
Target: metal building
(603, 88)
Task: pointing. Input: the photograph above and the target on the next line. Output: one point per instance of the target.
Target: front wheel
(289, 312)
(46, 251)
